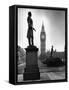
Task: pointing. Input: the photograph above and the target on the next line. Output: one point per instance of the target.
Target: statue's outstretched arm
(34, 29)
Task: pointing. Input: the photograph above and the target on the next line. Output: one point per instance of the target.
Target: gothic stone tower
(43, 40)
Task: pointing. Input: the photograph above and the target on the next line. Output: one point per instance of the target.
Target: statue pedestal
(31, 72)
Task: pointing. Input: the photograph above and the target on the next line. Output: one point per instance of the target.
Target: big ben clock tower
(43, 40)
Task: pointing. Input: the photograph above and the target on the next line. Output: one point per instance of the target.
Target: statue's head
(52, 46)
(29, 14)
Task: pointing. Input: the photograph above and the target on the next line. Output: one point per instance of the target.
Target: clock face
(42, 37)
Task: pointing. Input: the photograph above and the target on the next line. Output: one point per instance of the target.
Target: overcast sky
(54, 24)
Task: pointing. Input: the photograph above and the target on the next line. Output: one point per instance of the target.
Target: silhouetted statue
(30, 29)
(51, 50)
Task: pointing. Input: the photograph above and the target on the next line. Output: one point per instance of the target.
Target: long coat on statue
(30, 28)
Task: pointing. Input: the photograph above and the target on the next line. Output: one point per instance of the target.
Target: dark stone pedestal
(31, 72)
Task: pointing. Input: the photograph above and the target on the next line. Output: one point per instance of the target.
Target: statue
(51, 50)
(30, 29)
(31, 71)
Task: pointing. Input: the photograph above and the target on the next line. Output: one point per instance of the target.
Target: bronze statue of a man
(30, 29)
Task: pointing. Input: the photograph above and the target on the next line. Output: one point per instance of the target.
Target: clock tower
(43, 40)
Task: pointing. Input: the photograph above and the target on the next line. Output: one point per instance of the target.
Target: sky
(54, 25)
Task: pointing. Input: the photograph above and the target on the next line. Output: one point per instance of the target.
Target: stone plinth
(31, 72)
